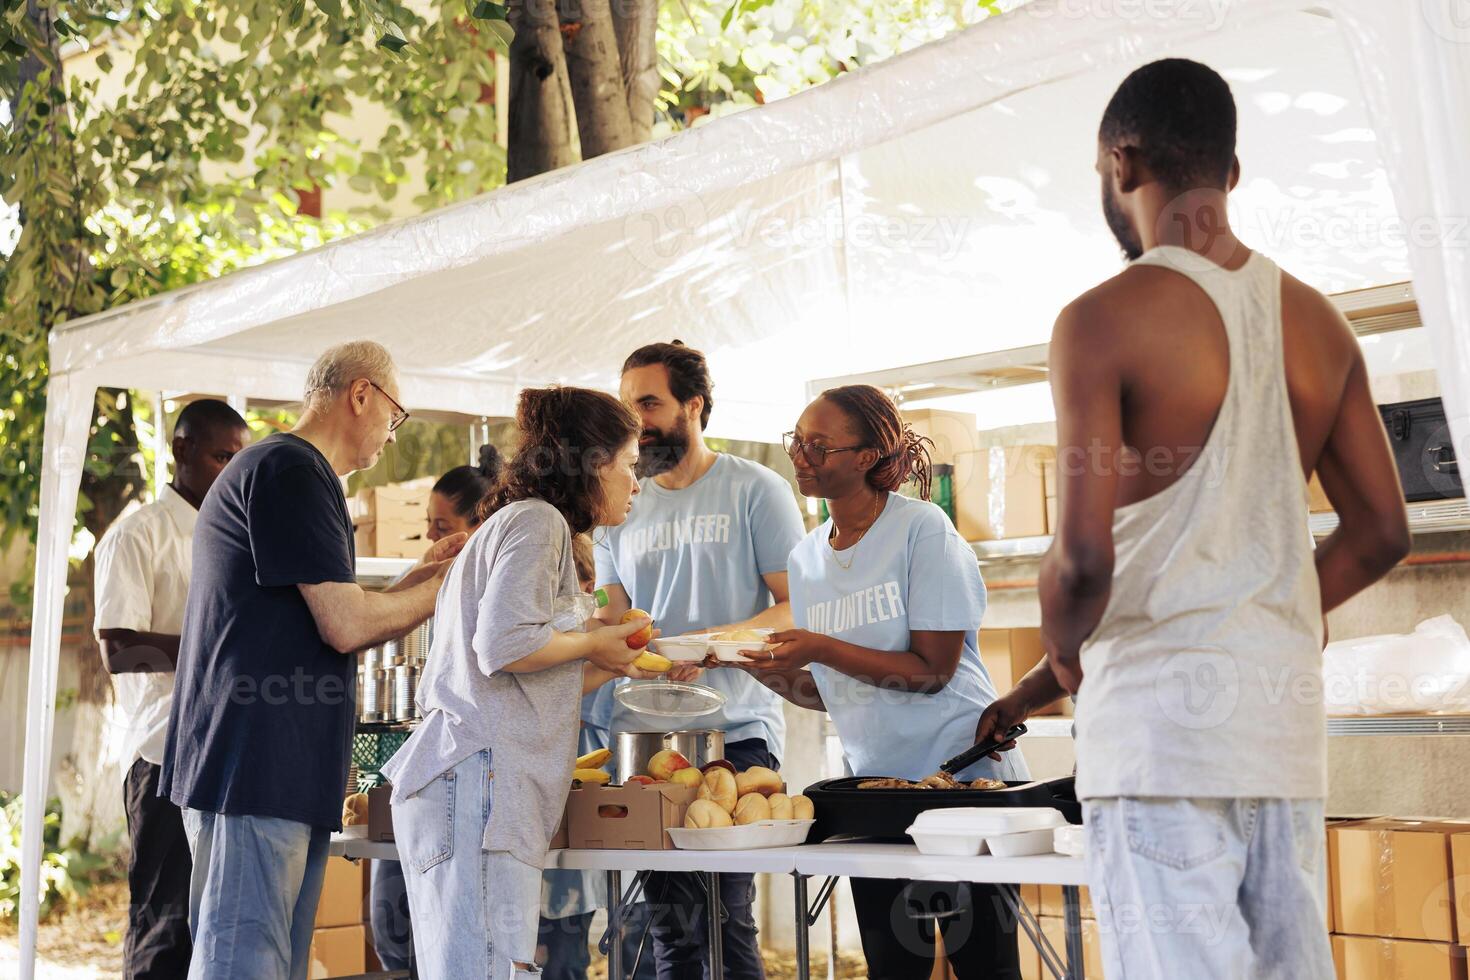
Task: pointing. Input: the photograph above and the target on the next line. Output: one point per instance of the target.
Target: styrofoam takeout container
(968, 831)
(762, 833)
(734, 651)
(692, 647)
(1023, 844)
(1069, 840)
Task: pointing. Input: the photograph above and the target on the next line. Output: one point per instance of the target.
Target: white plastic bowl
(764, 833)
(989, 821)
(1023, 844)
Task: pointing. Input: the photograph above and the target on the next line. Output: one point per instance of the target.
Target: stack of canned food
(388, 676)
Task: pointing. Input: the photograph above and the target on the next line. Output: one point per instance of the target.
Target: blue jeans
(567, 942)
(1228, 889)
(677, 901)
(388, 905)
(474, 911)
(253, 895)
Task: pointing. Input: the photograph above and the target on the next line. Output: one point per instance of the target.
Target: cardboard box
(1055, 930)
(952, 433)
(1009, 654)
(1031, 898)
(380, 814)
(560, 840)
(1030, 957)
(1393, 878)
(395, 501)
(632, 818)
(339, 952)
(1373, 958)
(391, 539)
(344, 894)
(1460, 867)
(1000, 492)
(1052, 905)
(1317, 497)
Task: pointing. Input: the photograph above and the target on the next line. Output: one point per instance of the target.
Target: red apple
(640, 639)
(640, 781)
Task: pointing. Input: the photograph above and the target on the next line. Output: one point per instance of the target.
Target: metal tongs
(975, 753)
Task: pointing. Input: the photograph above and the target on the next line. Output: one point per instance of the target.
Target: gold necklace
(832, 536)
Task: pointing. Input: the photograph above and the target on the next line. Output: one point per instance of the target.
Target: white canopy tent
(938, 204)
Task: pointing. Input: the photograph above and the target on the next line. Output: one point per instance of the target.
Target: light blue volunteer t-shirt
(911, 571)
(693, 559)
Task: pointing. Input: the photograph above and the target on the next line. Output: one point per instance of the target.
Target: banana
(653, 663)
(596, 777)
(594, 760)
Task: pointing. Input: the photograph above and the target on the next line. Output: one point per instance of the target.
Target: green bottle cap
(601, 596)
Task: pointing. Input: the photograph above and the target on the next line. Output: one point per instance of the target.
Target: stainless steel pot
(632, 750)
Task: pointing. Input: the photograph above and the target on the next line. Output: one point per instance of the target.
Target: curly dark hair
(567, 436)
(688, 373)
(903, 454)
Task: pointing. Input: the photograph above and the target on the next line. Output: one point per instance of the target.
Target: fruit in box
(664, 764)
(596, 777)
(594, 760)
(686, 777)
(640, 781)
(640, 639)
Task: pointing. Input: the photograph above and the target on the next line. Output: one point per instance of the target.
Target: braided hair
(903, 454)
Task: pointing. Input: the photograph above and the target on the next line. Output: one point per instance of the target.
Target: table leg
(615, 925)
(803, 938)
(1072, 907)
(1027, 923)
(715, 933)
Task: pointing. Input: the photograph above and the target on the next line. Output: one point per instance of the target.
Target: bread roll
(355, 810)
(780, 806)
(801, 808)
(758, 779)
(752, 807)
(719, 786)
(706, 813)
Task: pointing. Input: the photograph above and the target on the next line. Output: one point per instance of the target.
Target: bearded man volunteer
(704, 549)
(1182, 600)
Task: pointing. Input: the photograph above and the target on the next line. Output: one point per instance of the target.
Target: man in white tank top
(1183, 601)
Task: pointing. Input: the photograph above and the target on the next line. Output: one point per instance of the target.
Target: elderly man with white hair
(260, 734)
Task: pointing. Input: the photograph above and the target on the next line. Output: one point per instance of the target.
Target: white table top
(769, 860)
(812, 860)
(773, 860)
(905, 861)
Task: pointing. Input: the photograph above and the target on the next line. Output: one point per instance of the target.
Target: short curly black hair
(1180, 116)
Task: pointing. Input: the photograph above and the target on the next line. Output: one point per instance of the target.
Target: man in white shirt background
(142, 580)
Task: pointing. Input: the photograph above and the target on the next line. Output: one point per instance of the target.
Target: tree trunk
(596, 73)
(540, 125)
(636, 24)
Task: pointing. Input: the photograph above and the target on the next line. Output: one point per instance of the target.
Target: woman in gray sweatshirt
(479, 788)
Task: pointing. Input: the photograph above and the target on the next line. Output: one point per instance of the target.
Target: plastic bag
(1426, 671)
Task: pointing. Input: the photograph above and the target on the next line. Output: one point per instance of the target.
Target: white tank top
(1204, 677)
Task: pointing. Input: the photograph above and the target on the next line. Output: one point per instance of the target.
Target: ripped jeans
(475, 912)
(1211, 889)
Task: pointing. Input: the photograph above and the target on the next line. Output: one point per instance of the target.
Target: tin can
(374, 684)
(405, 685)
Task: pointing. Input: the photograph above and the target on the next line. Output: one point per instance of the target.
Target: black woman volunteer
(887, 599)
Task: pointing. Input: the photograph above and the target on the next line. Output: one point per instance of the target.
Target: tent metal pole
(69, 401)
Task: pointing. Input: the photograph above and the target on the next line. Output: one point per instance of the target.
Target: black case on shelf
(1420, 437)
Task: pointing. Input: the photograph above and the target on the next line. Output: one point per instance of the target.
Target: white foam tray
(752, 836)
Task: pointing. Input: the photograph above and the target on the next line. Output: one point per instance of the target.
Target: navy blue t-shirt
(263, 710)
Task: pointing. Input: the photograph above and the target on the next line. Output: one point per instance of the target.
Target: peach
(687, 777)
(664, 764)
(640, 781)
(640, 639)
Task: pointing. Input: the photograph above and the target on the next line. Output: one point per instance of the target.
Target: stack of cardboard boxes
(341, 942)
(390, 521)
(999, 492)
(1045, 901)
(1399, 894)
(1008, 654)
